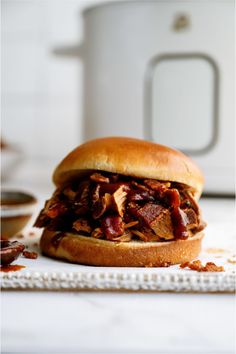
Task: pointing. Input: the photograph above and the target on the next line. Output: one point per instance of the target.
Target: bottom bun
(91, 251)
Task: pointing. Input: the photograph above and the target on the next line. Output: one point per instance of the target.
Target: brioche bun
(91, 251)
(130, 157)
(135, 158)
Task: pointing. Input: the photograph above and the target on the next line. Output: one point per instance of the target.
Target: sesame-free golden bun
(91, 251)
(130, 157)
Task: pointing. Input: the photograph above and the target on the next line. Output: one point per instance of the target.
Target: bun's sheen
(90, 251)
(130, 157)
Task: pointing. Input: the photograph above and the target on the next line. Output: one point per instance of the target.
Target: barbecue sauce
(11, 268)
(179, 223)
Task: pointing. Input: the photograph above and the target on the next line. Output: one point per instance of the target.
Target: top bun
(130, 157)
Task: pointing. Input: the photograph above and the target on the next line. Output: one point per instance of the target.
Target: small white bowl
(17, 209)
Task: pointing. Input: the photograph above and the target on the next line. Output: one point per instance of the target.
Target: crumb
(35, 244)
(31, 233)
(231, 260)
(216, 250)
(30, 255)
(199, 267)
(196, 265)
(184, 265)
(212, 267)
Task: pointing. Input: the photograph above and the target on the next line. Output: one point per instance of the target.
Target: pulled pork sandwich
(123, 202)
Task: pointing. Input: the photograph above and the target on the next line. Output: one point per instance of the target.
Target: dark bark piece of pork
(149, 212)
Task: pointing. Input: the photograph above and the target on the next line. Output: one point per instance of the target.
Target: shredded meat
(187, 196)
(42, 220)
(82, 206)
(192, 220)
(114, 178)
(152, 237)
(156, 185)
(131, 224)
(112, 226)
(96, 194)
(56, 210)
(82, 225)
(68, 192)
(141, 195)
(102, 205)
(99, 208)
(149, 212)
(97, 233)
(118, 200)
(140, 235)
(120, 208)
(107, 200)
(199, 267)
(139, 186)
(99, 178)
(126, 237)
(162, 225)
(201, 226)
(30, 255)
(112, 187)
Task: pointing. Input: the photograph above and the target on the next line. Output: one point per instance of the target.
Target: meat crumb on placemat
(199, 267)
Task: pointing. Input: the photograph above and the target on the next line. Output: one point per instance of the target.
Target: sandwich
(123, 202)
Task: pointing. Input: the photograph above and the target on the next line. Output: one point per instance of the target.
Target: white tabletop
(93, 322)
(120, 322)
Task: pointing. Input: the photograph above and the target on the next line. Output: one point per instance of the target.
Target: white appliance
(163, 71)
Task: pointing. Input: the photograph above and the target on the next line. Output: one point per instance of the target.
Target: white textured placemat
(49, 274)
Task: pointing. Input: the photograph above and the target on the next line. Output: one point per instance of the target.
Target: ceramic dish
(16, 211)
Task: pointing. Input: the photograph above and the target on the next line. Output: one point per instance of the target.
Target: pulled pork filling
(120, 208)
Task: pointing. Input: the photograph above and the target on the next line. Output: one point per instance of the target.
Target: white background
(41, 100)
(41, 93)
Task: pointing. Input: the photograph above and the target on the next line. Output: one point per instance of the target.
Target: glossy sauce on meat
(107, 202)
(179, 223)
